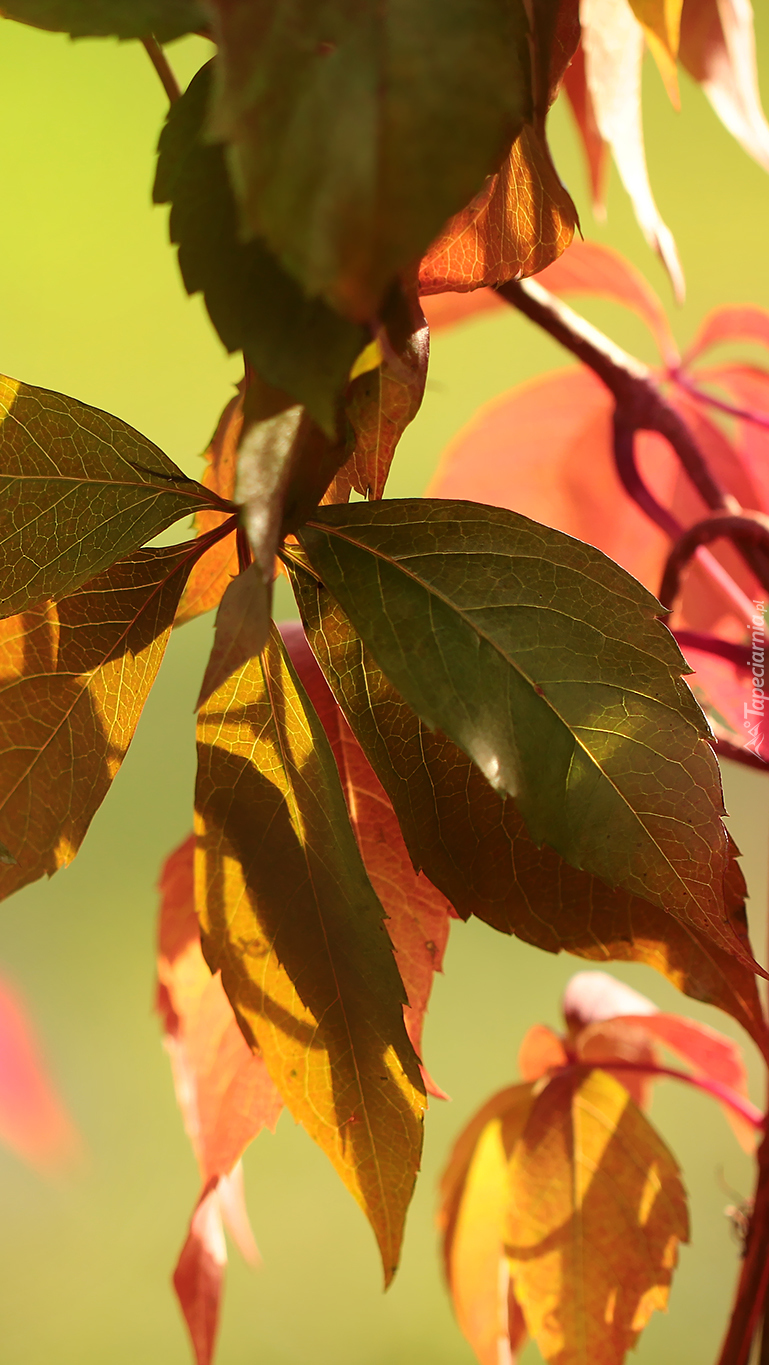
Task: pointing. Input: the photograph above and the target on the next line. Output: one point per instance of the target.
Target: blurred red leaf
(199, 1274)
(33, 1120)
(418, 916)
(724, 325)
(540, 1052)
(718, 49)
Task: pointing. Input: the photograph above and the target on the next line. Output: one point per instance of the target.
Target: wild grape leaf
(471, 1219)
(596, 150)
(596, 1211)
(294, 342)
(224, 1092)
(517, 641)
(417, 914)
(379, 406)
(74, 676)
(80, 490)
(34, 1122)
(718, 49)
(163, 19)
(219, 565)
(520, 221)
(477, 851)
(289, 915)
(356, 131)
(613, 43)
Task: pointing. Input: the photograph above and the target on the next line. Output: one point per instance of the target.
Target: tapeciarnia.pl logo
(755, 707)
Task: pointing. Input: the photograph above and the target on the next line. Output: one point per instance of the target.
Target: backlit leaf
(34, 1123)
(596, 1212)
(218, 566)
(472, 1219)
(477, 850)
(520, 221)
(199, 1275)
(595, 148)
(517, 641)
(613, 43)
(289, 915)
(242, 627)
(661, 23)
(417, 914)
(80, 490)
(74, 677)
(718, 49)
(164, 19)
(724, 325)
(294, 342)
(356, 130)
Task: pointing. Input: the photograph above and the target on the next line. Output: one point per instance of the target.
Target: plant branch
(758, 419)
(749, 528)
(160, 62)
(754, 1278)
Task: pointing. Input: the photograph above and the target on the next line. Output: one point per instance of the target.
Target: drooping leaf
(718, 49)
(661, 23)
(379, 406)
(162, 19)
(219, 565)
(34, 1123)
(294, 342)
(596, 1211)
(80, 490)
(613, 43)
(289, 915)
(74, 676)
(517, 641)
(478, 853)
(472, 1219)
(199, 1274)
(222, 1085)
(596, 150)
(357, 130)
(417, 914)
(242, 627)
(520, 221)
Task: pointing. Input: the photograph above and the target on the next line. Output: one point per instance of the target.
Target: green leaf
(74, 676)
(477, 850)
(295, 343)
(80, 489)
(163, 19)
(545, 663)
(288, 913)
(357, 127)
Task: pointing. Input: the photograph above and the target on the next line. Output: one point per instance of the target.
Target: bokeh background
(91, 304)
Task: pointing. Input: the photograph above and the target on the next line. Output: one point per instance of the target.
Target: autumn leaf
(34, 1123)
(289, 915)
(661, 23)
(478, 853)
(224, 1092)
(596, 150)
(355, 132)
(74, 677)
(81, 490)
(520, 221)
(471, 1219)
(219, 565)
(163, 19)
(294, 342)
(515, 640)
(417, 914)
(718, 49)
(596, 1211)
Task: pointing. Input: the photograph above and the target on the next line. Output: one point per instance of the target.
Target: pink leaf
(594, 997)
(718, 49)
(724, 325)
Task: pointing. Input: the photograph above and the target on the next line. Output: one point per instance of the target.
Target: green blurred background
(91, 304)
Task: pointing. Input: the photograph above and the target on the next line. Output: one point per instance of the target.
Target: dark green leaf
(358, 127)
(545, 662)
(163, 19)
(288, 913)
(295, 343)
(80, 489)
(476, 849)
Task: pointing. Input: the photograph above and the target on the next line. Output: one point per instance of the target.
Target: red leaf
(541, 1051)
(199, 1274)
(418, 915)
(724, 325)
(596, 150)
(33, 1121)
(718, 49)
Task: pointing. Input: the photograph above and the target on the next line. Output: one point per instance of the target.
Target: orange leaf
(471, 1217)
(718, 49)
(596, 150)
(74, 676)
(541, 1051)
(724, 325)
(520, 221)
(661, 23)
(596, 1212)
(417, 914)
(219, 565)
(33, 1121)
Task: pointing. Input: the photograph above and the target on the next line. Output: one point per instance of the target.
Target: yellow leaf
(288, 913)
(597, 1210)
(661, 23)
